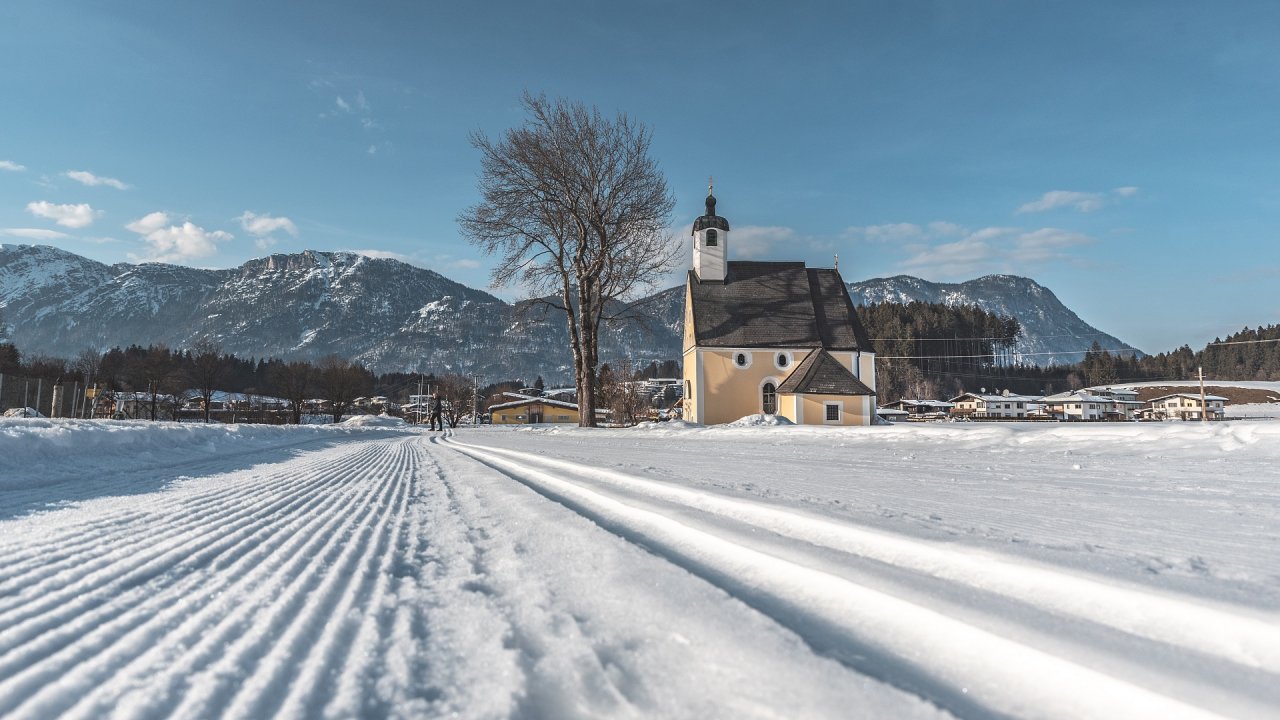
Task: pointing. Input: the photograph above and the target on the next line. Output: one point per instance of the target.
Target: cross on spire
(711, 180)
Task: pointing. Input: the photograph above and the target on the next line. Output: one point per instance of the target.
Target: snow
(382, 420)
(668, 570)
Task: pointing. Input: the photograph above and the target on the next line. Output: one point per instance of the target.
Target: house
(770, 337)
(983, 405)
(1077, 405)
(1184, 406)
(893, 415)
(918, 409)
(1125, 404)
(530, 410)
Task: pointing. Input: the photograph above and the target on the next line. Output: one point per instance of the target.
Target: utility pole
(1204, 414)
(418, 405)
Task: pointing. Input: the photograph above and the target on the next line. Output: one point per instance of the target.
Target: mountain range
(393, 316)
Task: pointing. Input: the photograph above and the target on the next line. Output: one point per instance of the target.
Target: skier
(436, 409)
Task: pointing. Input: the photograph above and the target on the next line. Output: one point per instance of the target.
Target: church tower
(710, 244)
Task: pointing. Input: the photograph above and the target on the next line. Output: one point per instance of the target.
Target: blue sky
(1124, 154)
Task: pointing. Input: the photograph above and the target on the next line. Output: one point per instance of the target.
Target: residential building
(1077, 405)
(919, 409)
(983, 405)
(1184, 406)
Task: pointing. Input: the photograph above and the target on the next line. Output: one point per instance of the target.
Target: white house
(982, 405)
(1185, 406)
(1076, 405)
(1125, 404)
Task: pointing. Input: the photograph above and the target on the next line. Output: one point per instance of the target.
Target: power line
(1245, 342)
(991, 355)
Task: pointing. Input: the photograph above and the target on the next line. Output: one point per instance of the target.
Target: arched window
(713, 238)
(769, 399)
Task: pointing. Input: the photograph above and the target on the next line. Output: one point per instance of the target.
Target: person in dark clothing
(436, 411)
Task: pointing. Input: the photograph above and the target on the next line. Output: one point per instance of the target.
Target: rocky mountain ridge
(397, 317)
(1051, 332)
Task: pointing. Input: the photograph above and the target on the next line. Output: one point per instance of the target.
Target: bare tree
(458, 394)
(575, 207)
(208, 365)
(293, 381)
(620, 393)
(342, 381)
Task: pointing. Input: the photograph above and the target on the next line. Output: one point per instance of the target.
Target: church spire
(710, 241)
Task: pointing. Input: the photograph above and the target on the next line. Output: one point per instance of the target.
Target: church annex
(771, 337)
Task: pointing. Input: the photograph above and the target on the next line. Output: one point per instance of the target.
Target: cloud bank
(72, 216)
(172, 242)
(84, 177)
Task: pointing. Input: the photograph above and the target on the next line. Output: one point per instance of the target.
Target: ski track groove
(314, 513)
(357, 583)
(240, 660)
(725, 562)
(87, 535)
(194, 512)
(310, 510)
(119, 569)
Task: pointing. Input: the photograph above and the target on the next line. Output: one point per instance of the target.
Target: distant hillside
(396, 317)
(1051, 332)
(385, 313)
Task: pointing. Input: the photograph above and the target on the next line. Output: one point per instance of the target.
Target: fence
(43, 395)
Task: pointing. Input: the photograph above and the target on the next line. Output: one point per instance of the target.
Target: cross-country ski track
(398, 574)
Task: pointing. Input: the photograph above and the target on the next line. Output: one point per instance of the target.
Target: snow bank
(760, 420)
(22, 413)
(36, 452)
(383, 420)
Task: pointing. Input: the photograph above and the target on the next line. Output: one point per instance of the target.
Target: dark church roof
(821, 374)
(776, 304)
(711, 219)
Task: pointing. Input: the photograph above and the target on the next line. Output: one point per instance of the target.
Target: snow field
(664, 571)
(963, 666)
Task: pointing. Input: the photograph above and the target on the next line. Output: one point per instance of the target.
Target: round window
(740, 359)
(783, 360)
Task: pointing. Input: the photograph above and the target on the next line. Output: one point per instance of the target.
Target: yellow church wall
(737, 390)
(812, 409)
(688, 317)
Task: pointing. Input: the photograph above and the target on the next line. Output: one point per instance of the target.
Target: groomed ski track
(405, 575)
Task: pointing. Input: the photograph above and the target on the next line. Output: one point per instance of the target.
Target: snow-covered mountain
(394, 316)
(385, 313)
(1051, 332)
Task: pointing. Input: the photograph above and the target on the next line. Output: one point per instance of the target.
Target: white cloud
(993, 250)
(759, 241)
(11, 166)
(387, 255)
(72, 216)
(962, 257)
(84, 177)
(903, 232)
(1082, 201)
(1126, 191)
(175, 243)
(264, 243)
(149, 223)
(343, 104)
(263, 225)
(34, 233)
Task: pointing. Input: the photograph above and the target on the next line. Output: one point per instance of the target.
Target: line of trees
(944, 351)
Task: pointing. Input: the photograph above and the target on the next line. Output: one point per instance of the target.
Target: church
(771, 337)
